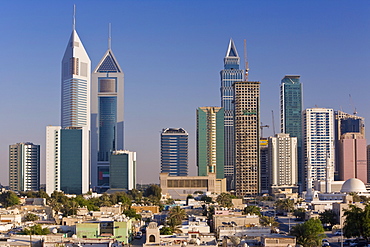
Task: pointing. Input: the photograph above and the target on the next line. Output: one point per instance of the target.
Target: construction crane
(263, 126)
(273, 122)
(352, 105)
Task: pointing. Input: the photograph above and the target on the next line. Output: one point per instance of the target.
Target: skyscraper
(123, 170)
(291, 104)
(107, 126)
(247, 137)
(52, 159)
(210, 141)
(264, 166)
(318, 132)
(283, 162)
(230, 74)
(174, 151)
(24, 167)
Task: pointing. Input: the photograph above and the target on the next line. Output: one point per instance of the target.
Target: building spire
(246, 61)
(74, 18)
(109, 36)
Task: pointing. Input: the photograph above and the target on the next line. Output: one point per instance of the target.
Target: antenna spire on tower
(246, 61)
(109, 36)
(74, 17)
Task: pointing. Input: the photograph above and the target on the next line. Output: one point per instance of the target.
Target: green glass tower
(210, 141)
(291, 115)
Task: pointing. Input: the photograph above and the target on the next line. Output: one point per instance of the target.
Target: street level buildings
(318, 133)
(247, 137)
(174, 151)
(291, 104)
(107, 123)
(230, 74)
(283, 160)
(24, 167)
(210, 141)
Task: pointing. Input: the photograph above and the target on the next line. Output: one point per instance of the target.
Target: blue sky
(171, 53)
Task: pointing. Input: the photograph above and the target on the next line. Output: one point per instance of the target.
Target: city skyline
(326, 43)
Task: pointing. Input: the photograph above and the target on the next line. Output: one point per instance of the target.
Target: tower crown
(232, 59)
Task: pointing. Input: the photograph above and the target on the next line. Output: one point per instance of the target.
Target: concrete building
(318, 132)
(291, 103)
(283, 160)
(107, 117)
(210, 141)
(230, 74)
(180, 187)
(24, 166)
(265, 166)
(174, 151)
(353, 157)
(247, 137)
(123, 170)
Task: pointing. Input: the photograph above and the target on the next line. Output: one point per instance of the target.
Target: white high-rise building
(107, 124)
(52, 159)
(283, 159)
(318, 139)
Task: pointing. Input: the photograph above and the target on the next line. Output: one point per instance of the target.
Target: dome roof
(353, 185)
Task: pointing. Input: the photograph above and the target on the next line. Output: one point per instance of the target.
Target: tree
(36, 230)
(251, 209)
(8, 199)
(357, 222)
(286, 205)
(153, 191)
(328, 217)
(269, 221)
(206, 199)
(177, 213)
(132, 214)
(224, 200)
(31, 217)
(165, 231)
(300, 213)
(309, 233)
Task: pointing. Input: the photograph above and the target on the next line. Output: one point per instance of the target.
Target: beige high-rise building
(247, 135)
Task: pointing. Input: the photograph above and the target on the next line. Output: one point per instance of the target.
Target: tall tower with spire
(107, 125)
(229, 75)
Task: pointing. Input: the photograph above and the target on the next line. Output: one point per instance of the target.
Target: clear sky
(171, 53)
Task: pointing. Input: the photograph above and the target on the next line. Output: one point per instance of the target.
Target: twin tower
(92, 126)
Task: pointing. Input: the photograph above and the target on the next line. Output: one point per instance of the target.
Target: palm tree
(224, 200)
(251, 209)
(177, 213)
(269, 221)
(286, 205)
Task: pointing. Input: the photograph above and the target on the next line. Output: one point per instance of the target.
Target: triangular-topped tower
(107, 123)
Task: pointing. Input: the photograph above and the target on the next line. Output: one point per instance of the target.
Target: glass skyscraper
(230, 74)
(174, 151)
(291, 116)
(210, 141)
(107, 125)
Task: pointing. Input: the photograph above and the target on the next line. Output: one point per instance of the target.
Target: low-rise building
(277, 240)
(235, 220)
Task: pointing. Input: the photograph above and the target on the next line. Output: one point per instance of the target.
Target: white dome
(353, 185)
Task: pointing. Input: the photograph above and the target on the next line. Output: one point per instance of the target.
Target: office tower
(345, 123)
(107, 92)
(283, 160)
(353, 160)
(247, 137)
(24, 166)
(210, 141)
(230, 74)
(368, 162)
(67, 159)
(123, 170)
(174, 151)
(291, 104)
(265, 169)
(318, 137)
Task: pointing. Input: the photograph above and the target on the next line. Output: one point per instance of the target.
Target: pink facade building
(353, 157)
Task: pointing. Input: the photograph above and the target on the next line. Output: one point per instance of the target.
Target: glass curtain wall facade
(210, 141)
(229, 75)
(174, 151)
(123, 170)
(291, 105)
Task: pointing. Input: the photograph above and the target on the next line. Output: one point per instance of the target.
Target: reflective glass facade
(230, 74)
(107, 126)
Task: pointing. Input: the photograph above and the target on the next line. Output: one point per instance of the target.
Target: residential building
(107, 123)
(345, 123)
(24, 166)
(174, 151)
(52, 159)
(123, 170)
(291, 103)
(210, 141)
(353, 157)
(265, 166)
(247, 137)
(318, 132)
(283, 161)
(230, 74)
